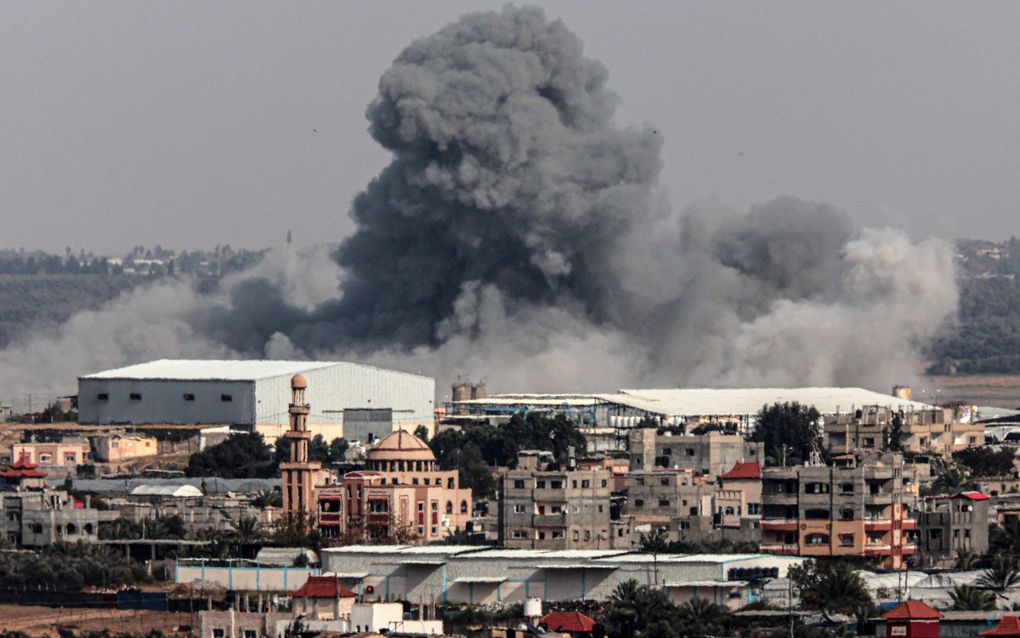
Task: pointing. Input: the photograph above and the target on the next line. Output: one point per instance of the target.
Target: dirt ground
(996, 390)
(44, 621)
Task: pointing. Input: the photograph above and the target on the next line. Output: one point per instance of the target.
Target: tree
(701, 616)
(1005, 538)
(950, 476)
(894, 440)
(1000, 577)
(832, 586)
(789, 432)
(338, 450)
(318, 450)
(422, 432)
(240, 456)
(984, 461)
(970, 598)
(635, 608)
(248, 531)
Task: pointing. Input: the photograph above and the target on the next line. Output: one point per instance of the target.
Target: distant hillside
(34, 301)
(986, 337)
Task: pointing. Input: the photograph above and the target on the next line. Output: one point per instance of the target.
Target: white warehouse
(256, 394)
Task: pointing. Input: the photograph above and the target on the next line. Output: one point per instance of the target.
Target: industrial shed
(256, 394)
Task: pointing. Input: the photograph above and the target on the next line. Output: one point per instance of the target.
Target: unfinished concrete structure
(950, 525)
(545, 508)
(709, 454)
(930, 431)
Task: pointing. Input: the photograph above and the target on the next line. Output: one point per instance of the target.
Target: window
(685, 524)
(753, 509)
(846, 514)
(846, 540)
(45, 458)
(189, 396)
(540, 485)
(557, 485)
(435, 506)
(541, 536)
(846, 488)
(70, 458)
(577, 535)
(639, 503)
(600, 509)
(557, 534)
(664, 481)
(435, 530)
(605, 483)
(667, 451)
(218, 632)
(586, 483)
(517, 533)
(729, 511)
(690, 451)
(817, 539)
(250, 633)
(102, 396)
(518, 509)
(868, 442)
(135, 396)
(587, 535)
(518, 485)
(663, 502)
(573, 484)
(226, 398)
(449, 507)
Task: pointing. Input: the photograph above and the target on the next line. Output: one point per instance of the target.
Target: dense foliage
(789, 430)
(832, 586)
(984, 461)
(986, 336)
(474, 449)
(639, 611)
(240, 456)
(68, 567)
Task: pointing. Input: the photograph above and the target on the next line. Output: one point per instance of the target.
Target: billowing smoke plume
(518, 234)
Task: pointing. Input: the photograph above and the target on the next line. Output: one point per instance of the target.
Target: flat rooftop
(223, 370)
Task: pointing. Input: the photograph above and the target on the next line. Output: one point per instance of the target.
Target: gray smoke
(518, 234)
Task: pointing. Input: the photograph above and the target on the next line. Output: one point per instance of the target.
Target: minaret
(298, 474)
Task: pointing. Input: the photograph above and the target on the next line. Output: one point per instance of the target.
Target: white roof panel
(177, 491)
(209, 370)
(223, 370)
(733, 401)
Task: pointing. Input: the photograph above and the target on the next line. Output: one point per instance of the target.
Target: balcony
(549, 520)
(909, 524)
(877, 550)
(779, 548)
(780, 524)
(877, 524)
(910, 548)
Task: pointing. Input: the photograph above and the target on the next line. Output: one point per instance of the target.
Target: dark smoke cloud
(518, 233)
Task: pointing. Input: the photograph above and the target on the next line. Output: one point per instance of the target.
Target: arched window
(449, 507)
(463, 507)
(71, 529)
(729, 511)
(88, 528)
(449, 483)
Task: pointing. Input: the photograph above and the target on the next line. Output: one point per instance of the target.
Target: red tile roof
(743, 471)
(912, 610)
(1008, 626)
(323, 587)
(972, 496)
(23, 468)
(573, 622)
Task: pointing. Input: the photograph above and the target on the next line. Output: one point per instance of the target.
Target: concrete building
(69, 452)
(480, 576)
(237, 624)
(929, 431)
(950, 525)
(323, 598)
(118, 448)
(401, 495)
(709, 454)
(544, 508)
(255, 394)
(33, 515)
(848, 510)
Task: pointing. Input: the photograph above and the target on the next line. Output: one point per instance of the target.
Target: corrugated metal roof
(176, 491)
(221, 370)
(732, 401)
(711, 401)
(706, 583)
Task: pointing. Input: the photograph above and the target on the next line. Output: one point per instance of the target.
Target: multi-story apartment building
(950, 525)
(545, 508)
(401, 496)
(738, 495)
(936, 431)
(710, 454)
(661, 495)
(849, 510)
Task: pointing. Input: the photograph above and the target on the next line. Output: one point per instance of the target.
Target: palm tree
(635, 607)
(970, 598)
(248, 531)
(700, 616)
(832, 586)
(1005, 538)
(965, 559)
(1002, 576)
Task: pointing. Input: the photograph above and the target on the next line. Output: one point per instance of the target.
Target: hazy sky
(196, 123)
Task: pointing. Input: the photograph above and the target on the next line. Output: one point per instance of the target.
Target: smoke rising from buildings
(518, 234)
